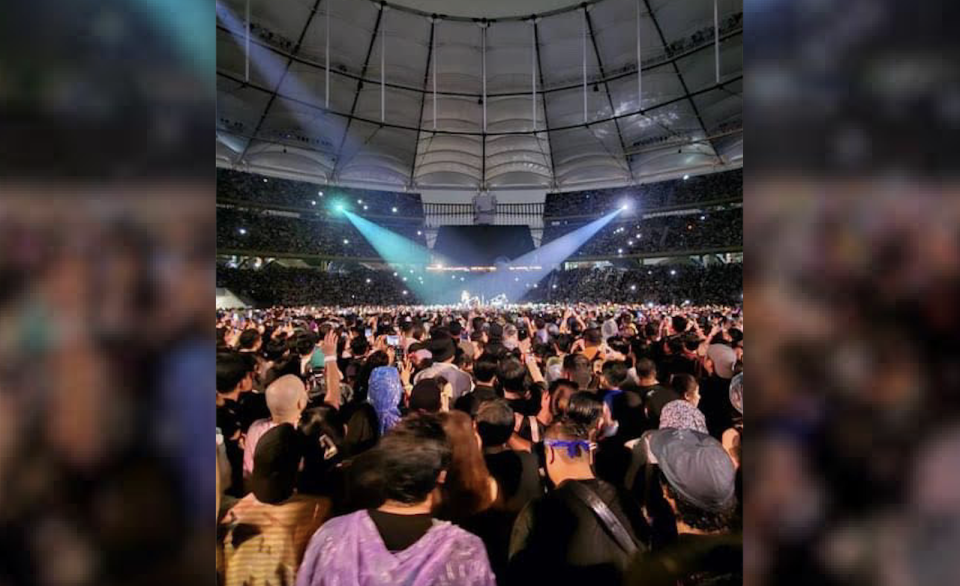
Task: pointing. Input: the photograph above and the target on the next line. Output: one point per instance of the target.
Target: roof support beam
(686, 91)
(286, 70)
(546, 116)
(541, 90)
(423, 100)
(664, 104)
(356, 95)
(606, 87)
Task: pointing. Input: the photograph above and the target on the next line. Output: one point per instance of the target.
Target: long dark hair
(323, 432)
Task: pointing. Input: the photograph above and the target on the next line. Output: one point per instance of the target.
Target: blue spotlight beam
(403, 255)
(514, 284)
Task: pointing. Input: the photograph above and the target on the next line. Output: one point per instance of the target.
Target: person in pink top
(286, 399)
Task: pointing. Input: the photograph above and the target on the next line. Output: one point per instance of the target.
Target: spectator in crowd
(584, 531)
(398, 542)
(697, 480)
(683, 413)
(655, 395)
(269, 528)
(286, 399)
(443, 350)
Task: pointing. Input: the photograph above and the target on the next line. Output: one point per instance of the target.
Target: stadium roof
(273, 116)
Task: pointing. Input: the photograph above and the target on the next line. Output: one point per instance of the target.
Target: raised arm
(331, 373)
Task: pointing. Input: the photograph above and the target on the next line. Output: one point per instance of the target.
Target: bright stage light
(243, 231)
(339, 207)
(360, 202)
(365, 208)
(685, 177)
(345, 241)
(633, 287)
(394, 210)
(673, 272)
(320, 193)
(404, 291)
(419, 233)
(368, 281)
(625, 206)
(313, 202)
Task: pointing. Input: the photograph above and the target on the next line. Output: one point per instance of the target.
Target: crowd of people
(694, 189)
(261, 230)
(278, 285)
(264, 231)
(691, 231)
(715, 283)
(237, 185)
(562, 444)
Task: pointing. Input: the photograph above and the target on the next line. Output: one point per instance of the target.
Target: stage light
(264, 179)
(404, 291)
(554, 286)
(339, 207)
(462, 279)
(243, 231)
(629, 242)
(619, 251)
(313, 202)
(368, 281)
(650, 304)
(685, 177)
(419, 233)
(365, 208)
(394, 210)
(404, 279)
(359, 202)
(394, 274)
(516, 279)
(633, 287)
(673, 272)
(703, 217)
(345, 241)
(625, 206)
(534, 285)
(320, 193)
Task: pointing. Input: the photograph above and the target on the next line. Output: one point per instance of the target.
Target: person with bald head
(286, 399)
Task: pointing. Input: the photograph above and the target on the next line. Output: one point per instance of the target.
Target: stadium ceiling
(373, 118)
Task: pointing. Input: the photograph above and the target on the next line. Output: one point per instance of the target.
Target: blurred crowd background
(850, 222)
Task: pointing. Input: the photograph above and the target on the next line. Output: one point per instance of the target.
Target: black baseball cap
(696, 466)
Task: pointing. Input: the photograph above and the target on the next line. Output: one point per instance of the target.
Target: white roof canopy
(277, 120)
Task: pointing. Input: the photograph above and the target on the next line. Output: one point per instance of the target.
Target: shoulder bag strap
(606, 516)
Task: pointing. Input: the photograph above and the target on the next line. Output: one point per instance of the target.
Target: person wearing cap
(696, 478)
(269, 528)
(443, 349)
(564, 537)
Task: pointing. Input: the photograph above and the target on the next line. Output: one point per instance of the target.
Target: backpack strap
(607, 518)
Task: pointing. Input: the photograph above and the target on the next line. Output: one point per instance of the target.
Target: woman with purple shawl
(384, 392)
(399, 542)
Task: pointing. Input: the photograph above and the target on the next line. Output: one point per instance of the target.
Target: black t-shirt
(694, 560)
(400, 531)
(559, 540)
(517, 474)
